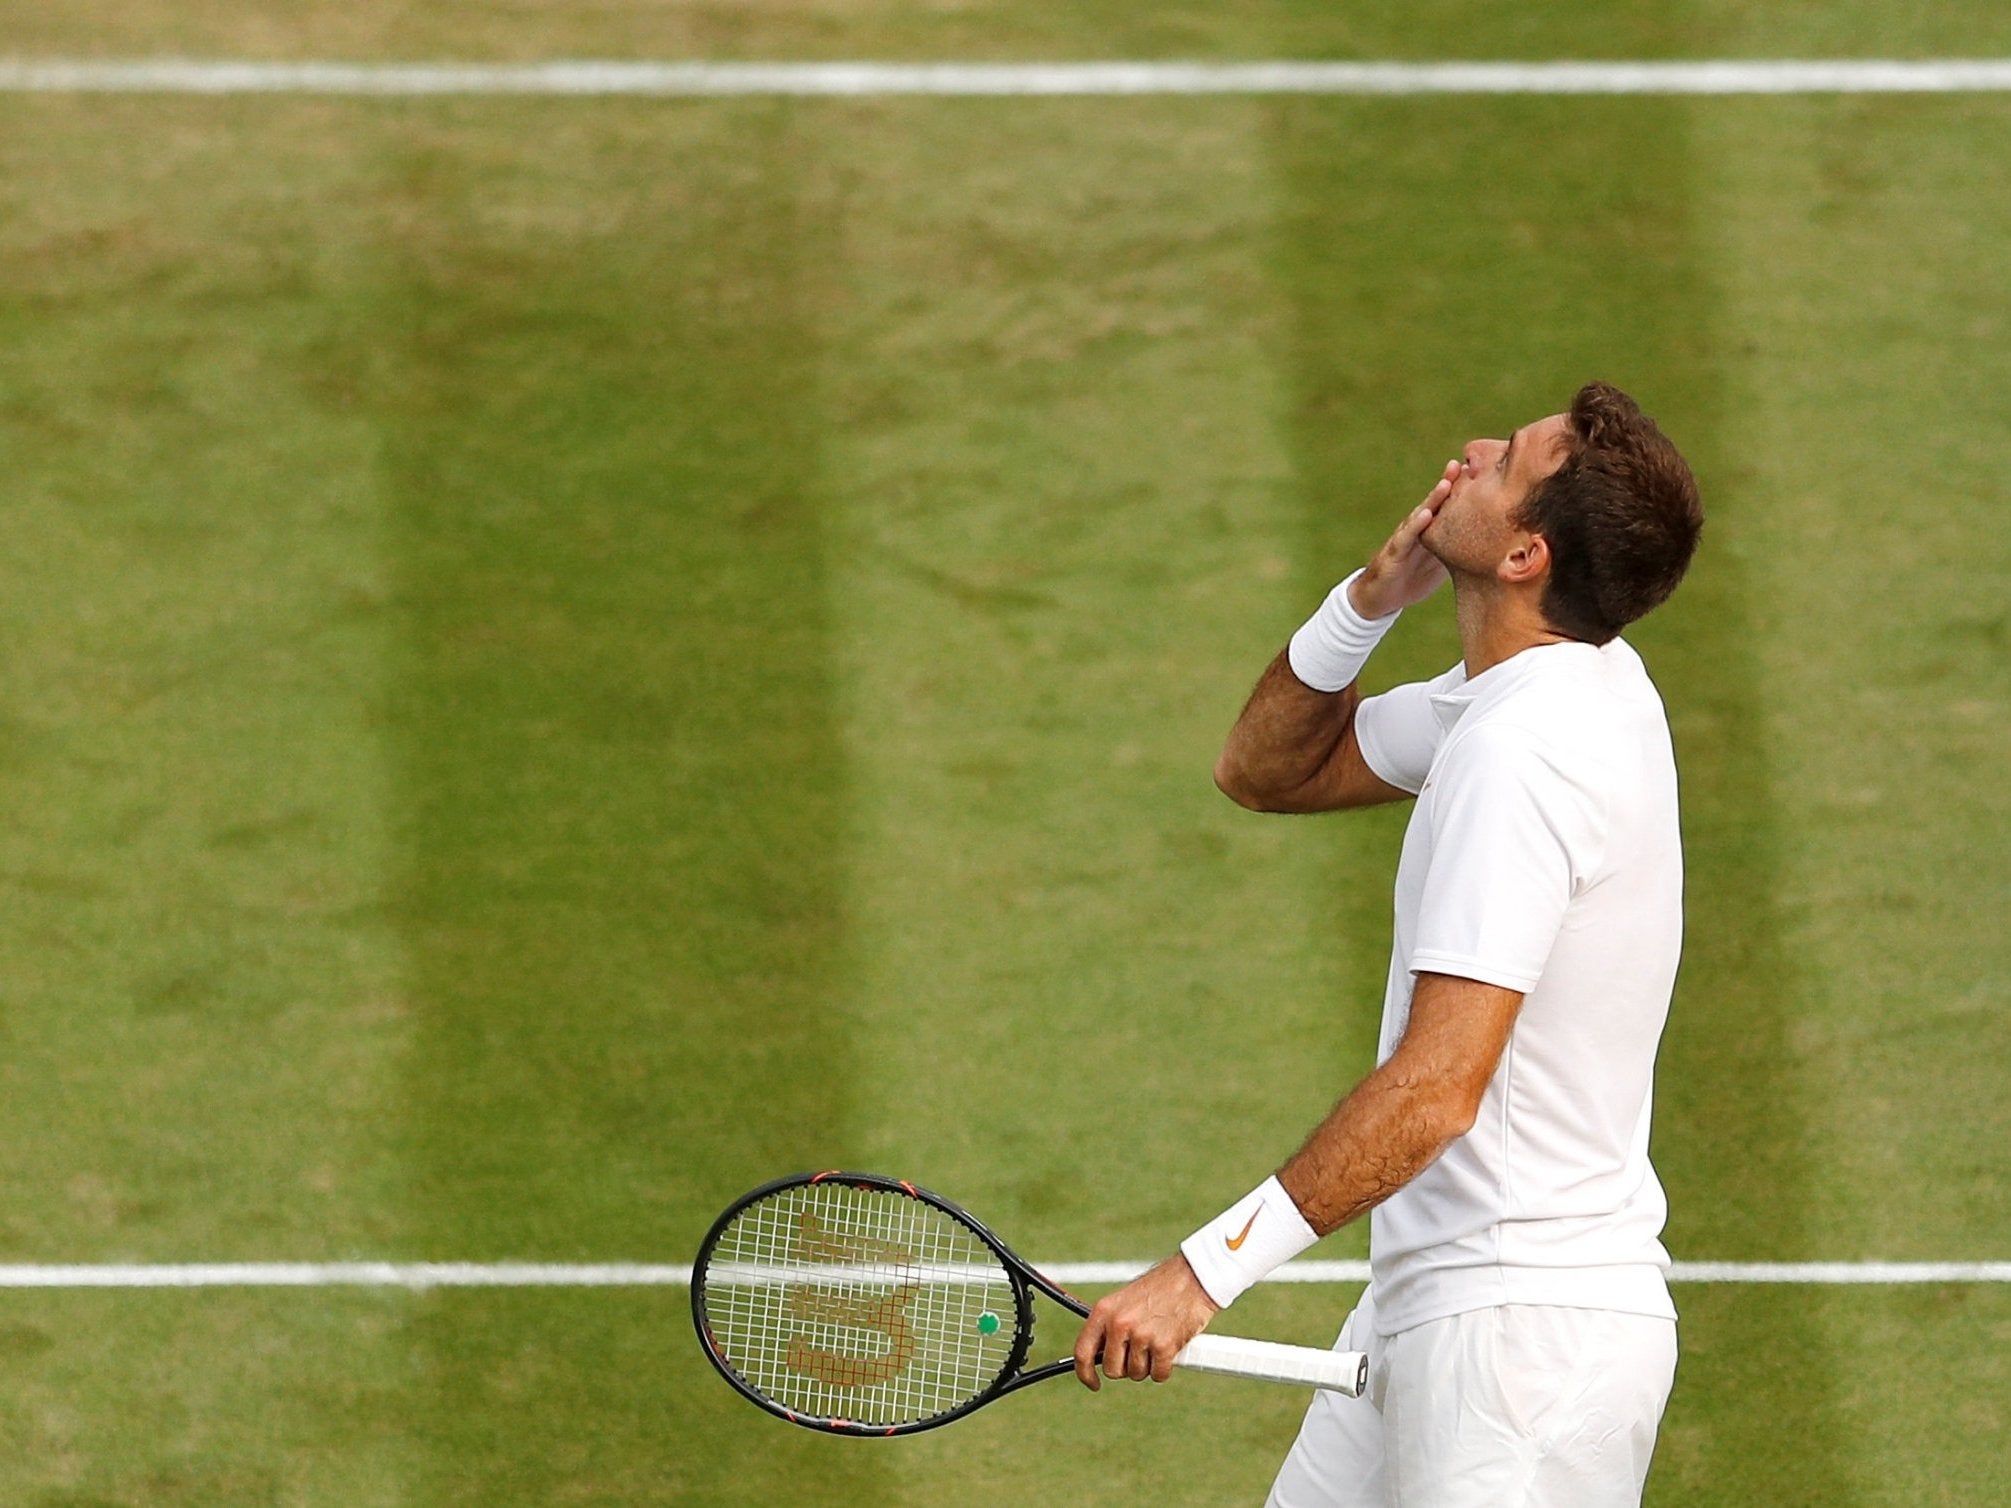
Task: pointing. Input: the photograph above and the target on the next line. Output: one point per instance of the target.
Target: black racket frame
(1025, 1279)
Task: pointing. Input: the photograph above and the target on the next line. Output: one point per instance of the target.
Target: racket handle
(1337, 1371)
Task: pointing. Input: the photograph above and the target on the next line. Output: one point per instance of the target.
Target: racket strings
(865, 1305)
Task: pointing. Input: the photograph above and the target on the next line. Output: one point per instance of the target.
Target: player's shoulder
(1568, 687)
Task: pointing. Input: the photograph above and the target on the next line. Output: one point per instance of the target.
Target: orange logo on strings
(844, 1318)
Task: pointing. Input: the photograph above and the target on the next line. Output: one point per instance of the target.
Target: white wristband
(1328, 652)
(1239, 1246)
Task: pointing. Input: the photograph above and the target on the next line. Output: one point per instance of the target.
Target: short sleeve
(1398, 733)
(1512, 837)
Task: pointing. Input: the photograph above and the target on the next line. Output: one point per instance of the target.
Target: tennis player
(1518, 1323)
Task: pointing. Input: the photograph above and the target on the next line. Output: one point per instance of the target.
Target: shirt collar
(1450, 705)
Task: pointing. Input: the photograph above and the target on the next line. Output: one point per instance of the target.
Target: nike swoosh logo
(1235, 1243)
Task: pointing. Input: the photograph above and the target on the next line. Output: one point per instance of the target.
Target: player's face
(1472, 532)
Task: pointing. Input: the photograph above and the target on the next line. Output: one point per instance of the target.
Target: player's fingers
(1162, 1363)
(1138, 1362)
(1116, 1352)
(1404, 541)
(1419, 518)
(1441, 489)
(1087, 1344)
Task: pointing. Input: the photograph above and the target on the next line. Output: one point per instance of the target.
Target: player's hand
(1403, 571)
(1138, 1330)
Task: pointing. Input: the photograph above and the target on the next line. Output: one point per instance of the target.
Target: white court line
(425, 1275)
(689, 79)
(343, 1275)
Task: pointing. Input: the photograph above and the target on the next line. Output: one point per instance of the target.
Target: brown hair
(1621, 517)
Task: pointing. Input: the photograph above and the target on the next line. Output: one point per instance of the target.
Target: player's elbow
(1456, 1106)
(1233, 781)
(1252, 791)
(1443, 1108)
(1456, 1116)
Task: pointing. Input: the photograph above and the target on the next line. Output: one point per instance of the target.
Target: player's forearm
(1389, 1129)
(1292, 749)
(1288, 738)
(1376, 1140)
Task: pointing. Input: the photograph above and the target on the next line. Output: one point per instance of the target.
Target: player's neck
(1496, 624)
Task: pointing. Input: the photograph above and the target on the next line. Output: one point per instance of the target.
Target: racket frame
(1025, 1279)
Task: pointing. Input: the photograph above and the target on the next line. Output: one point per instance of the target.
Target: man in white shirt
(1520, 1334)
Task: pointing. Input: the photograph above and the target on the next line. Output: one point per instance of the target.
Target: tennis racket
(866, 1306)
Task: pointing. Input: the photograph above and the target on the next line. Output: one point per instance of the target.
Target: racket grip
(1337, 1371)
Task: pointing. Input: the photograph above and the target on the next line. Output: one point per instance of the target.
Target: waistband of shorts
(1418, 1298)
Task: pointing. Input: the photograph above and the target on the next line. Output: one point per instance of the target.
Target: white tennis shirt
(1543, 855)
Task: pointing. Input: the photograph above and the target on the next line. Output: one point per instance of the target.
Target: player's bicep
(1350, 781)
(1396, 735)
(1344, 781)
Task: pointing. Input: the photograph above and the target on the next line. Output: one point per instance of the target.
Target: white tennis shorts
(1512, 1407)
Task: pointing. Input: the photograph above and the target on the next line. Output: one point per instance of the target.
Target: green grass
(566, 658)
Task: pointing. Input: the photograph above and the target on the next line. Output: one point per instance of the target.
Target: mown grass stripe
(428, 1275)
(685, 79)
(618, 765)
(618, 782)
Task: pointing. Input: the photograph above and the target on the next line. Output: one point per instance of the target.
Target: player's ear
(1527, 560)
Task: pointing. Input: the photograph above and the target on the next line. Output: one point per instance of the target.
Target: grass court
(564, 658)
